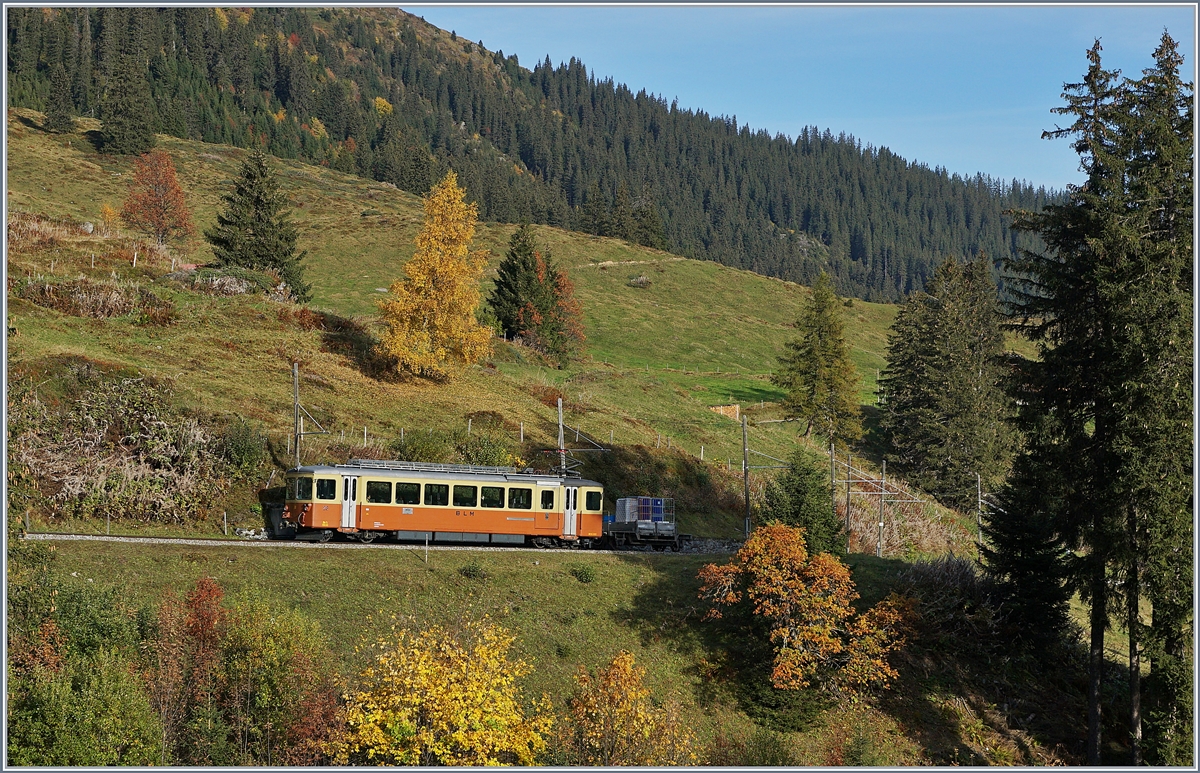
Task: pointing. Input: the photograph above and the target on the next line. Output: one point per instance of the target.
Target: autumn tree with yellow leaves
(442, 698)
(807, 601)
(430, 313)
(612, 720)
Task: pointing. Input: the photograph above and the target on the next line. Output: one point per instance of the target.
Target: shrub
(486, 449)
(584, 574)
(442, 698)
(417, 446)
(243, 444)
(799, 496)
(473, 570)
(762, 748)
(92, 712)
(612, 720)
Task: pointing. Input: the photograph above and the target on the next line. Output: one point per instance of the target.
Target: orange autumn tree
(613, 721)
(156, 205)
(430, 313)
(807, 601)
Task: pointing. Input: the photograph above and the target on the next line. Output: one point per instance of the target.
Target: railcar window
(326, 488)
(593, 500)
(520, 498)
(464, 496)
(304, 488)
(379, 492)
(437, 494)
(548, 499)
(491, 496)
(408, 493)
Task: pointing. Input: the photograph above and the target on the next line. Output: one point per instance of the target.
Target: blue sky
(969, 88)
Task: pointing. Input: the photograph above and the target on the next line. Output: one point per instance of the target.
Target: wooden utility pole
(562, 442)
(849, 473)
(296, 409)
(882, 496)
(746, 472)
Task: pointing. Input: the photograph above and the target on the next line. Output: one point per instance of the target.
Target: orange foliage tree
(155, 204)
(612, 721)
(442, 698)
(430, 314)
(808, 603)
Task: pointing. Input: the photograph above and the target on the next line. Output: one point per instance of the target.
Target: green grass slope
(661, 353)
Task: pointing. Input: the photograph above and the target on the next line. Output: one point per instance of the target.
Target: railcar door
(349, 502)
(570, 511)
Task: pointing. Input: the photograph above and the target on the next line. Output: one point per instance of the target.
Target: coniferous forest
(385, 95)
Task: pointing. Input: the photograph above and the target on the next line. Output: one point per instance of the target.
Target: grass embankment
(660, 353)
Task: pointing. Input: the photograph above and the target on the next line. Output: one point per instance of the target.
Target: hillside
(662, 351)
(658, 360)
(385, 95)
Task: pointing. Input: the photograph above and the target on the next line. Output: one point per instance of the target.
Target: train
(368, 499)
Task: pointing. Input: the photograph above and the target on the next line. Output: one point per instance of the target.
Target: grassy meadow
(661, 352)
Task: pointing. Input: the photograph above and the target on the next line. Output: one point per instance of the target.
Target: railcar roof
(449, 475)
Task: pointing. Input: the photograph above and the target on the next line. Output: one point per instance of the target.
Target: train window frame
(376, 484)
(330, 486)
(439, 488)
(304, 493)
(517, 502)
(458, 495)
(587, 501)
(413, 498)
(548, 493)
(487, 499)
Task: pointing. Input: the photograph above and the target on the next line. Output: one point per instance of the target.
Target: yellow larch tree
(442, 698)
(430, 313)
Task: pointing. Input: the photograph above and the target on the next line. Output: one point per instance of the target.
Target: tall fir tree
(816, 371)
(255, 231)
(128, 127)
(60, 108)
(1104, 405)
(943, 407)
(533, 299)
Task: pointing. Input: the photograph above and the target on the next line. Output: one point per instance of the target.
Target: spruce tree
(943, 408)
(533, 299)
(60, 108)
(816, 371)
(254, 230)
(128, 121)
(799, 496)
(1105, 408)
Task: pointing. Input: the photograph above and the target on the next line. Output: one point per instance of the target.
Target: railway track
(305, 544)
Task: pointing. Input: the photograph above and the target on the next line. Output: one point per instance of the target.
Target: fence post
(468, 426)
(702, 453)
(364, 436)
(522, 432)
(882, 496)
(225, 520)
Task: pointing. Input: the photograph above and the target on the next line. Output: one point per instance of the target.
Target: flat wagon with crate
(642, 521)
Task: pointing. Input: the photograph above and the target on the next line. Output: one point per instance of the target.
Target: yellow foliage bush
(612, 721)
(430, 313)
(383, 107)
(437, 698)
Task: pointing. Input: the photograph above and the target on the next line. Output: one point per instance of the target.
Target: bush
(243, 445)
(420, 446)
(584, 574)
(92, 712)
(799, 496)
(762, 748)
(485, 449)
(473, 570)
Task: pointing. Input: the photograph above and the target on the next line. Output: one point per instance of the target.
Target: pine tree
(430, 313)
(799, 496)
(60, 108)
(156, 205)
(534, 300)
(128, 121)
(816, 371)
(1105, 403)
(943, 409)
(254, 230)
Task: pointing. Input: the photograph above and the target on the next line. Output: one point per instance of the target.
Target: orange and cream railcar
(367, 499)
